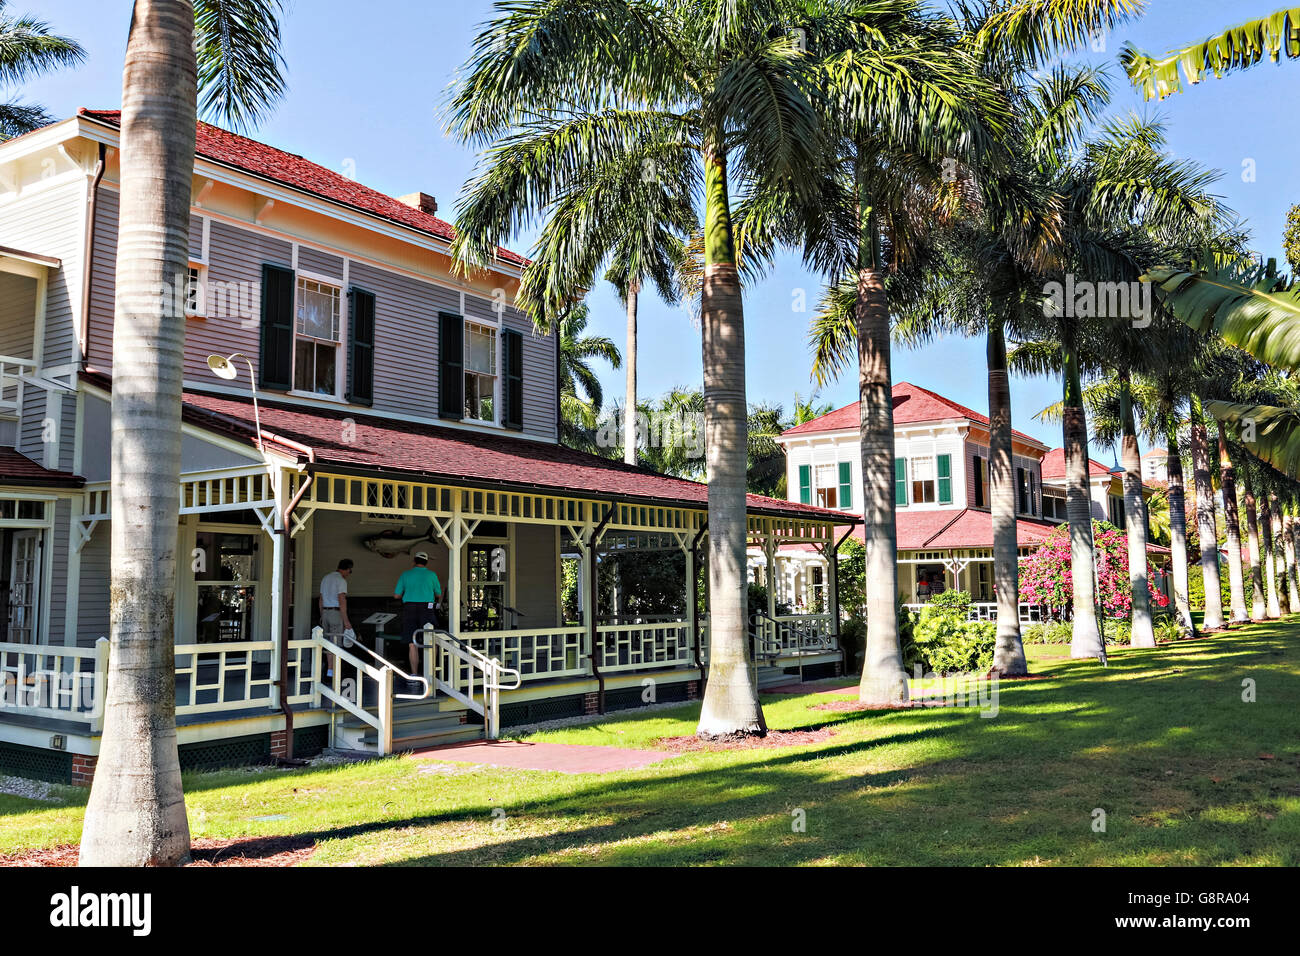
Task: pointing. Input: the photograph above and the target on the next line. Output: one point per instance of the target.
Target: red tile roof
(291, 170)
(18, 469)
(942, 529)
(379, 445)
(912, 405)
(967, 528)
(1054, 466)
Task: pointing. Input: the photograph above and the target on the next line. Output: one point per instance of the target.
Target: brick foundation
(591, 703)
(692, 690)
(464, 717)
(279, 744)
(839, 668)
(83, 770)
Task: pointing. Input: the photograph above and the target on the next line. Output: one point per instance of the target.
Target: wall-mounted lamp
(223, 366)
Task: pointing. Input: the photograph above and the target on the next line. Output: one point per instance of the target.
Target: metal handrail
(386, 663)
(491, 668)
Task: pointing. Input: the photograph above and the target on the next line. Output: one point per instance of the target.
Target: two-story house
(401, 406)
(941, 497)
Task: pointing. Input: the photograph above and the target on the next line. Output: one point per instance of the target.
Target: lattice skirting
(36, 763)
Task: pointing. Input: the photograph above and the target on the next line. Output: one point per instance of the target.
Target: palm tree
(714, 94)
(28, 49)
(1236, 48)
(136, 811)
(581, 394)
(1207, 528)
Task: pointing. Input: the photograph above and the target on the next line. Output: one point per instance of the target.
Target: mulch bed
(207, 851)
(774, 738)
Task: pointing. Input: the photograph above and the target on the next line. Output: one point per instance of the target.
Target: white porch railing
(629, 647)
(46, 680)
(11, 372)
(988, 611)
(211, 678)
(352, 700)
(792, 635)
(536, 653)
(465, 674)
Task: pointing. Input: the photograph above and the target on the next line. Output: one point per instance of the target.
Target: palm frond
(241, 69)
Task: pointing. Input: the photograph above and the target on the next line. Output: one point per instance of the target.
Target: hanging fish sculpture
(390, 543)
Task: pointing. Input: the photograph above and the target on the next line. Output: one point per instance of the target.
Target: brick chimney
(421, 201)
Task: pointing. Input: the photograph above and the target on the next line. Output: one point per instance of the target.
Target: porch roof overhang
(348, 444)
(8, 253)
(17, 470)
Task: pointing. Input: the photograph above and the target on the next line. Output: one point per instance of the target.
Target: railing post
(385, 712)
(317, 658)
(430, 660)
(100, 688)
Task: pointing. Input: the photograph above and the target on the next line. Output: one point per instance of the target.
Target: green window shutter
(846, 484)
(900, 481)
(512, 360)
(361, 360)
(275, 364)
(451, 365)
(945, 479)
(805, 484)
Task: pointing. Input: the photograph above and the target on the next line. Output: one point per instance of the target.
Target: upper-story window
(1053, 505)
(1116, 510)
(480, 372)
(196, 283)
(931, 480)
(981, 481)
(316, 338)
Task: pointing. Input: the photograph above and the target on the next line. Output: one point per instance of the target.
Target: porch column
(833, 586)
(279, 571)
(769, 552)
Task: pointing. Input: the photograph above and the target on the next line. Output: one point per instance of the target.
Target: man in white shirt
(334, 605)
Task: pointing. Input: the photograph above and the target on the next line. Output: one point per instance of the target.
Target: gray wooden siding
(406, 338)
(406, 319)
(49, 223)
(539, 375)
(92, 601)
(1017, 461)
(57, 539)
(321, 263)
(17, 314)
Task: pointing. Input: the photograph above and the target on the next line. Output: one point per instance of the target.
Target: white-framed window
(828, 486)
(480, 372)
(196, 290)
(923, 480)
(317, 337)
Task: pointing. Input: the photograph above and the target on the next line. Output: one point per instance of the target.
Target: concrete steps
(416, 724)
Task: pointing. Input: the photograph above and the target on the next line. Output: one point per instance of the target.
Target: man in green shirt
(420, 593)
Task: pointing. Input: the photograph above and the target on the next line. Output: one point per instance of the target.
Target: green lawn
(1161, 740)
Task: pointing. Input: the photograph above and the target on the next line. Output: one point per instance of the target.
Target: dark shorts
(414, 617)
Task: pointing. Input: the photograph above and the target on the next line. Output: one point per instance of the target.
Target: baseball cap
(422, 555)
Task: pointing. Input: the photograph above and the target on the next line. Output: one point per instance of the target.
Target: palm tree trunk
(1135, 515)
(1232, 524)
(1008, 652)
(1086, 639)
(630, 406)
(1288, 537)
(884, 681)
(730, 705)
(1206, 521)
(1258, 609)
(1274, 610)
(1279, 553)
(136, 812)
(1178, 525)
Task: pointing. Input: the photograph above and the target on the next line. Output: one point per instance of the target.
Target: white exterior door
(24, 587)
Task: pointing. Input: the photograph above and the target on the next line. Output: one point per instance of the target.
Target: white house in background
(1155, 465)
(941, 496)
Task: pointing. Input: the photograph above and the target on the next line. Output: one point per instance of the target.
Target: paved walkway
(834, 685)
(565, 758)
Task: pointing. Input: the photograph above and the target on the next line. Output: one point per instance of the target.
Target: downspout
(594, 593)
(87, 262)
(286, 585)
(695, 606)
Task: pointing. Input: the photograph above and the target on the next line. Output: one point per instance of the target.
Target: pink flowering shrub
(1045, 575)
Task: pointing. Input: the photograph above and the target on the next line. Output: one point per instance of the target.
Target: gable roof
(289, 169)
(451, 455)
(912, 405)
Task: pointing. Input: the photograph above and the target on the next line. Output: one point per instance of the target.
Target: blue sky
(367, 83)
